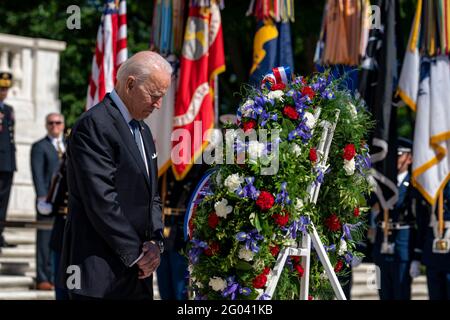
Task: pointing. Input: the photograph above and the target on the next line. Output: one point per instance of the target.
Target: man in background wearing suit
(46, 155)
(113, 234)
(7, 150)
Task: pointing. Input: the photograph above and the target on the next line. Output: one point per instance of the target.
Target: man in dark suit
(7, 150)
(46, 155)
(113, 235)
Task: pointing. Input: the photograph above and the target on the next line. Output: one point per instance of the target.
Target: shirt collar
(55, 139)
(122, 108)
(401, 177)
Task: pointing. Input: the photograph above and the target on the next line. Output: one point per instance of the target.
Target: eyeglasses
(51, 123)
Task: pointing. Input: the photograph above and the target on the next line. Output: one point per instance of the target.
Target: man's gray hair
(54, 114)
(142, 64)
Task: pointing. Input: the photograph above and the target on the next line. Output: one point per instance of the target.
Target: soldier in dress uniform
(434, 243)
(172, 273)
(7, 150)
(394, 244)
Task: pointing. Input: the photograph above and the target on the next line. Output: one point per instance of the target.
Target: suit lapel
(126, 135)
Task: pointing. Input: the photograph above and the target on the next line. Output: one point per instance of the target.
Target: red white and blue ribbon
(202, 189)
(278, 75)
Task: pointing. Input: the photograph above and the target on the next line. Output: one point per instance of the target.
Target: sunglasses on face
(51, 123)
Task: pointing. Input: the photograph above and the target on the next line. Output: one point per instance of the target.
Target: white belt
(394, 225)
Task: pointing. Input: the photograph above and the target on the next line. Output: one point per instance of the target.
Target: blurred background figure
(7, 150)
(46, 157)
(434, 244)
(395, 233)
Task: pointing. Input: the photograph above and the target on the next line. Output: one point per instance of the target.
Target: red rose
(290, 112)
(356, 212)
(295, 259)
(280, 219)
(310, 298)
(299, 270)
(313, 155)
(308, 91)
(338, 266)
(333, 223)
(274, 250)
(265, 200)
(250, 124)
(349, 152)
(278, 86)
(266, 271)
(212, 249)
(260, 281)
(213, 220)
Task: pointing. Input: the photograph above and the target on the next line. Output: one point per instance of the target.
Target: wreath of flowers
(240, 225)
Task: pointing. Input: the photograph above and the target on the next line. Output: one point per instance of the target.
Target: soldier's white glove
(44, 208)
(414, 269)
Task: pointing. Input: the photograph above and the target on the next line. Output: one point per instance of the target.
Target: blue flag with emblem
(272, 47)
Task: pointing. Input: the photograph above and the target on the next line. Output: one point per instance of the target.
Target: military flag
(201, 60)
(425, 87)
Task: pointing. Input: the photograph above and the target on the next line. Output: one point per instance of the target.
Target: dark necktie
(135, 125)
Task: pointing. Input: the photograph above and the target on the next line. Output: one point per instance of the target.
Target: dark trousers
(172, 276)
(44, 269)
(395, 280)
(6, 179)
(60, 294)
(438, 284)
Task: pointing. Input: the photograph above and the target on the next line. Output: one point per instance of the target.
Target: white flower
(310, 120)
(342, 247)
(277, 94)
(217, 283)
(246, 254)
(349, 166)
(233, 182)
(222, 208)
(190, 268)
(298, 204)
(255, 149)
(296, 150)
(292, 243)
(245, 110)
(352, 109)
(199, 284)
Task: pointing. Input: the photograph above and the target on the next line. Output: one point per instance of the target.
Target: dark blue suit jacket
(44, 164)
(114, 206)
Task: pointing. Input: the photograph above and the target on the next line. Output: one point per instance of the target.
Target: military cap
(5, 79)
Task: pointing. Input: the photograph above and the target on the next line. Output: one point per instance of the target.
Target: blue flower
(283, 197)
(251, 238)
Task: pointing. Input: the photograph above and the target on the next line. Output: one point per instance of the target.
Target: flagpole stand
(311, 236)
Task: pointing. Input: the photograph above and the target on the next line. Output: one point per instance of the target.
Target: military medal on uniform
(441, 243)
(386, 246)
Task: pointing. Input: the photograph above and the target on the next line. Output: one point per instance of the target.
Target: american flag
(110, 50)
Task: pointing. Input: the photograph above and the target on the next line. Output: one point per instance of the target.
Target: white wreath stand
(304, 250)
